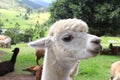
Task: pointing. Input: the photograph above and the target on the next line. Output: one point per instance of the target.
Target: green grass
(96, 68)
(106, 39)
(14, 16)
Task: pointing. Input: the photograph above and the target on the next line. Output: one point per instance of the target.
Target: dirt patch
(14, 76)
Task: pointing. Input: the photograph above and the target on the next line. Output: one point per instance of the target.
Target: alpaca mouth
(97, 50)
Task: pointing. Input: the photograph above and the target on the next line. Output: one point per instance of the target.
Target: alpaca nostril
(97, 41)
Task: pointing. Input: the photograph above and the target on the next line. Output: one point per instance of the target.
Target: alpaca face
(76, 45)
(69, 40)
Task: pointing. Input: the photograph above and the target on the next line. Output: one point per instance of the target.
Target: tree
(28, 35)
(1, 23)
(29, 10)
(17, 26)
(26, 17)
(38, 31)
(13, 34)
(102, 16)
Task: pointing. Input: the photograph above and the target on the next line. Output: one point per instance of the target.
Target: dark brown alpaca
(38, 54)
(115, 50)
(8, 66)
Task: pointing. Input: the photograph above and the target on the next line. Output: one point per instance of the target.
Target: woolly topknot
(76, 25)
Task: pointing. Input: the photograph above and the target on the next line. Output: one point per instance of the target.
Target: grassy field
(96, 68)
(106, 40)
(9, 18)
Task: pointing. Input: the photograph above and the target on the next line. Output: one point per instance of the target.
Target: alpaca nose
(96, 41)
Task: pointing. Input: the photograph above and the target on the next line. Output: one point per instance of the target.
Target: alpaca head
(16, 50)
(69, 39)
(111, 46)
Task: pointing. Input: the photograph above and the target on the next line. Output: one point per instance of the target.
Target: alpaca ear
(41, 43)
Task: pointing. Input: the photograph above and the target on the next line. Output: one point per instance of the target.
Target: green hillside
(11, 5)
(14, 17)
(10, 17)
(11, 13)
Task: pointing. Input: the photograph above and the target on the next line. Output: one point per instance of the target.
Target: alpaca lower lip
(96, 51)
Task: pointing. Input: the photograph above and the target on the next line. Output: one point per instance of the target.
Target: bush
(102, 16)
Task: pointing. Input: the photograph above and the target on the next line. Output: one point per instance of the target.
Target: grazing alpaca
(115, 71)
(8, 66)
(36, 70)
(115, 50)
(66, 44)
(38, 54)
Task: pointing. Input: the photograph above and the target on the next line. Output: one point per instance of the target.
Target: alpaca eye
(67, 38)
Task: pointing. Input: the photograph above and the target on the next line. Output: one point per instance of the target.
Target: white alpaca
(67, 43)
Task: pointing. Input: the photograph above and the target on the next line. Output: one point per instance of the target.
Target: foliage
(1, 23)
(28, 34)
(26, 17)
(13, 34)
(17, 26)
(29, 10)
(101, 15)
(38, 31)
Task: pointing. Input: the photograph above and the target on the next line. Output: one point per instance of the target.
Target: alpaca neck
(54, 69)
(13, 58)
